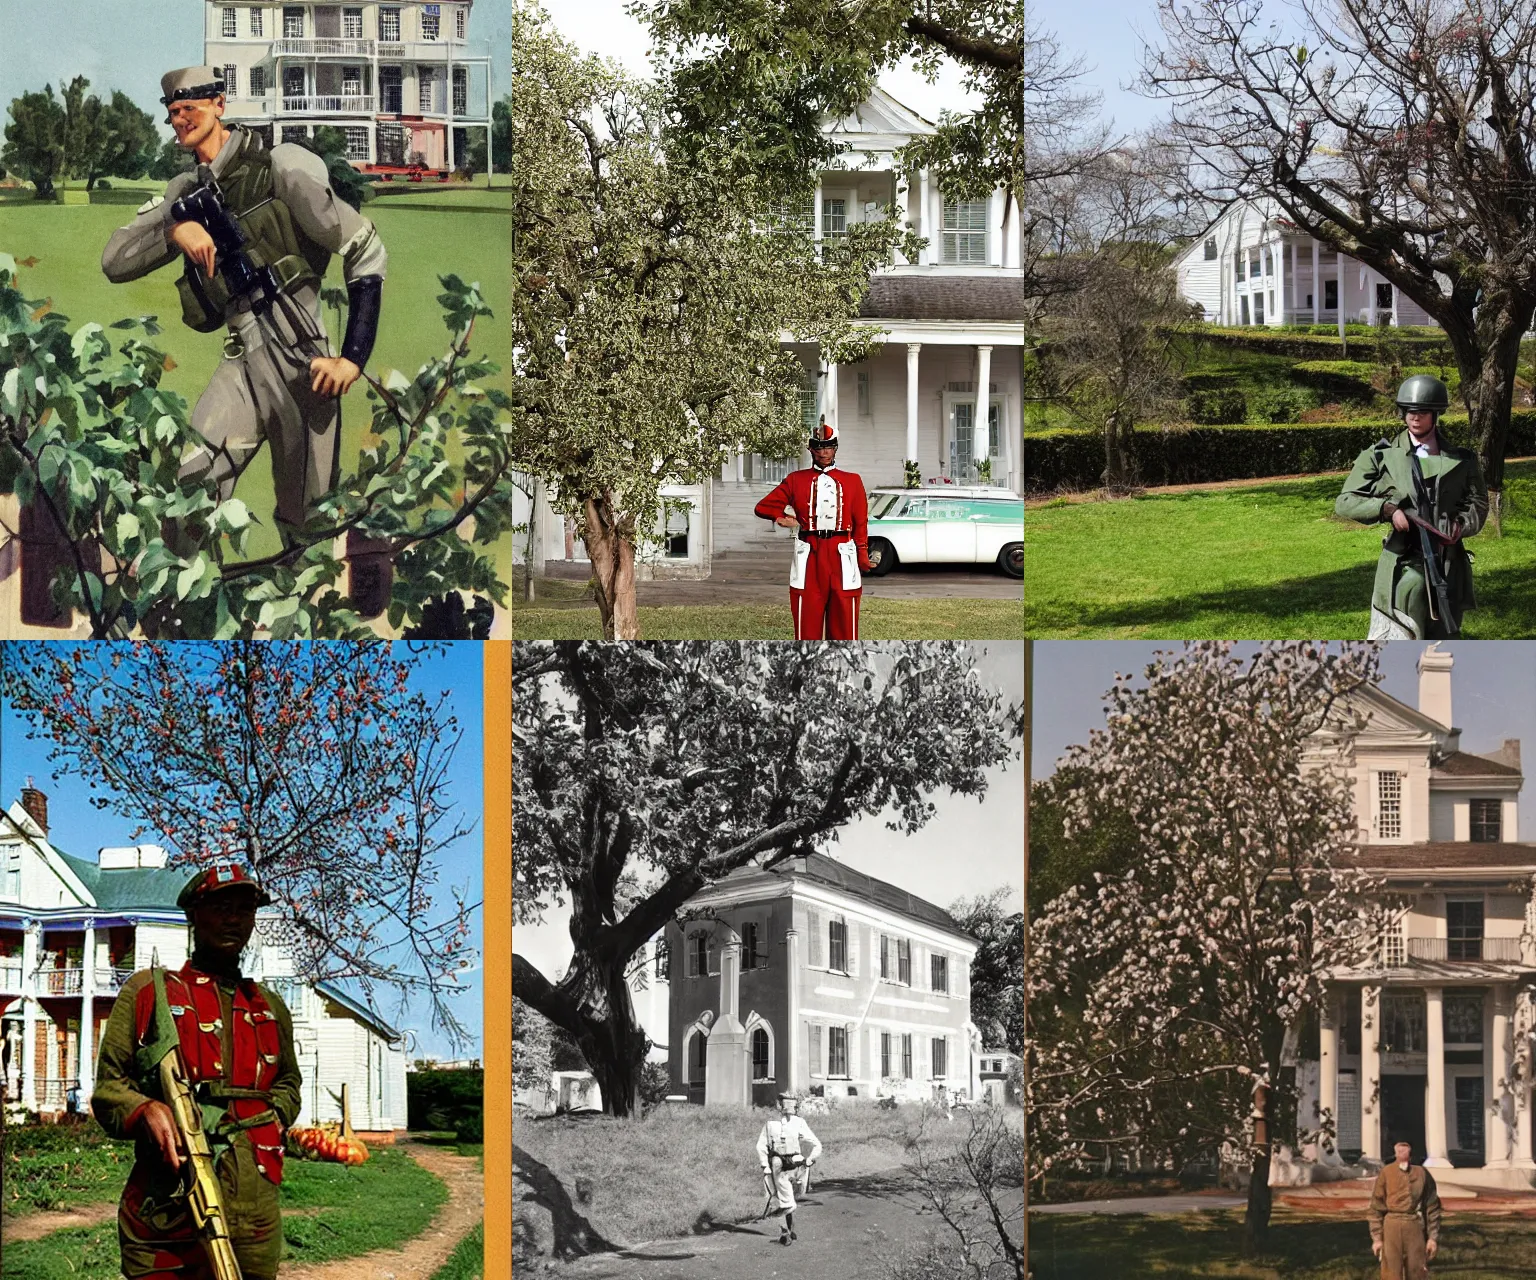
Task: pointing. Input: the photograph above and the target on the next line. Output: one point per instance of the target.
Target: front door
(390, 96)
(1467, 1141)
(293, 87)
(1402, 1114)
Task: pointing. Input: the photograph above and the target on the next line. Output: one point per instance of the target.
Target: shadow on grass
(573, 1235)
(1191, 1245)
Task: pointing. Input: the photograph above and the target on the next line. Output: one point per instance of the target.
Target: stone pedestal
(726, 1062)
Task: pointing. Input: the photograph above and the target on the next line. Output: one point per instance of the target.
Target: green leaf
(188, 579)
(276, 610)
(232, 515)
(126, 528)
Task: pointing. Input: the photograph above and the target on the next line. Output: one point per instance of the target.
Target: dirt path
(34, 1226)
(420, 1257)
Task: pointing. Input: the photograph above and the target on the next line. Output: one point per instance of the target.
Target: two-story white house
(817, 978)
(1254, 266)
(1422, 1040)
(402, 80)
(73, 930)
(951, 322)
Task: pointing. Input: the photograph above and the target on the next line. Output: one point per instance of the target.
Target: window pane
(1389, 805)
(389, 24)
(256, 17)
(228, 26)
(838, 945)
(352, 24)
(1463, 1019)
(1403, 1028)
(1485, 820)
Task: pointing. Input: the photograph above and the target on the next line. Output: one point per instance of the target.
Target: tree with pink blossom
(1161, 995)
(317, 765)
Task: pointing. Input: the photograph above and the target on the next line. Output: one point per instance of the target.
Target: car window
(912, 508)
(946, 509)
(885, 506)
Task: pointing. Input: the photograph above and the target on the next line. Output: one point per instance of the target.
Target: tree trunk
(613, 569)
(1114, 452)
(1489, 357)
(1256, 1216)
(615, 1048)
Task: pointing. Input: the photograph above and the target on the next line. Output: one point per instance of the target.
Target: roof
(819, 867)
(360, 1007)
(1463, 764)
(944, 297)
(130, 888)
(1447, 854)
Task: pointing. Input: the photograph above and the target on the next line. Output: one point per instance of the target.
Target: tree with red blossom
(317, 765)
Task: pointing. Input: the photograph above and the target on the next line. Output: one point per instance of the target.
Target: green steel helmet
(1423, 391)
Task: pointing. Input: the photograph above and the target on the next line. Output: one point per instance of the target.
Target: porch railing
(348, 104)
(1458, 950)
(60, 982)
(111, 978)
(324, 47)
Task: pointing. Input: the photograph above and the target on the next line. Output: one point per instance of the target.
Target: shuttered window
(837, 1051)
(940, 1057)
(885, 1054)
(906, 1057)
(714, 956)
(885, 956)
(698, 962)
(904, 961)
(749, 932)
(813, 929)
(939, 973)
(815, 1042)
(837, 945)
(761, 1070)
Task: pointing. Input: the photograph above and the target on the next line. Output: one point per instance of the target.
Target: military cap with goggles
(191, 82)
(222, 877)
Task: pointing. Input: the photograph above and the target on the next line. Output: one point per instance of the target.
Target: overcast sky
(79, 829)
(969, 847)
(1493, 694)
(604, 28)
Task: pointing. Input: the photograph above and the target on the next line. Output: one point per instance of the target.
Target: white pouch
(797, 565)
(849, 552)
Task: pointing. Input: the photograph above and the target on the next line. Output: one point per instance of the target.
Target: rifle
(1439, 589)
(163, 1053)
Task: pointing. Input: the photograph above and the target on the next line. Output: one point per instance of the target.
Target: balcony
(329, 104)
(60, 982)
(325, 47)
(110, 980)
(1465, 950)
(435, 50)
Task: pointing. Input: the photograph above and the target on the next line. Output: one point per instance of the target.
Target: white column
(1011, 430)
(1295, 282)
(1520, 1158)
(29, 1007)
(1339, 260)
(1328, 1073)
(741, 465)
(912, 351)
(1394, 305)
(87, 1073)
(790, 1070)
(1317, 284)
(903, 213)
(448, 104)
(1437, 1153)
(816, 214)
(1499, 1060)
(1277, 251)
(995, 229)
(925, 221)
(1370, 297)
(833, 385)
(1370, 1073)
(981, 440)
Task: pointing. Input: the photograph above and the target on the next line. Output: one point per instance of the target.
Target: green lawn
(954, 619)
(467, 1262)
(423, 243)
(1266, 559)
(378, 1205)
(1193, 1245)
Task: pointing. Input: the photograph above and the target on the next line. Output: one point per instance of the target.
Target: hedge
(1315, 346)
(1351, 379)
(1197, 455)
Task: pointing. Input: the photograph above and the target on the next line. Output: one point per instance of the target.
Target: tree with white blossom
(1161, 997)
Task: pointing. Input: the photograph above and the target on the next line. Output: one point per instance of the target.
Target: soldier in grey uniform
(279, 380)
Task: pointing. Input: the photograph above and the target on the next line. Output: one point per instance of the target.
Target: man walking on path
(778, 1151)
(1405, 1218)
(831, 520)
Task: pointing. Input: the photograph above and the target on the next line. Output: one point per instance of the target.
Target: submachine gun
(205, 206)
(162, 1052)
(1429, 535)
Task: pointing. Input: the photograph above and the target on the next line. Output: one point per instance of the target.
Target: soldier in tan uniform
(279, 381)
(1405, 1218)
(779, 1152)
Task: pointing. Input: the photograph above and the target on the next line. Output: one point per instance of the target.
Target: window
(389, 24)
(1485, 820)
(295, 133)
(1402, 1023)
(231, 80)
(1463, 1019)
(357, 142)
(1255, 265)
(663, 960)
(428, 96)
(760, 468)
(1394, 951)
(885, 956)
(1464, 930)
(696, 1058)
(940, 1057)
(351, 81)
(816, 1051)
(256, 16)
(10, 874)
(751, 951)
(460, 21)
(761, 1070)
(1237, 267)
(794, 215)
(938, 972)
(863, 394)
(352, 24)
(837, 1051)
(964, 236)
(1384, 297)
(429, 22)
(904, 961)
(906, 1057)
(461, 91)
(813, 933)
(258, 82)
(1469, 1114)
(1389, 806)
(834, 219)
(1210, 248)
(1330, 295)
(227, 28)
(837, 946)
(293, 23)
(698, 955)
(885, 1054)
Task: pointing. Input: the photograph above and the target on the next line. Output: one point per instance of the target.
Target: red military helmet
(218, 878)
(824, 435)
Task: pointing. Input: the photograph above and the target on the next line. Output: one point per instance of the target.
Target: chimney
(1509, 753)
(36, 805)
(1435, 685)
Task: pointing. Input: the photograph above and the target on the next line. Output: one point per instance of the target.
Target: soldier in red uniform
(237, 1045)
(831, 517)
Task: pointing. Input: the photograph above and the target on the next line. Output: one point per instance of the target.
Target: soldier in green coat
(1381, 488)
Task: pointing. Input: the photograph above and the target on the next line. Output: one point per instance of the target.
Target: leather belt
(807, 534)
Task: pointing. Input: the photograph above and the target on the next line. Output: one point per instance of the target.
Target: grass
(1194, 1245)
(467, 1262)
(948, 619)
(1263, 559)
(67, 243)
(378, 1205)
(62, 1166)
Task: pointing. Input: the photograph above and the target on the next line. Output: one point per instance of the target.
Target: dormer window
(1210, 249)
(1389, 806)
(964, 233)
(1485, 820)
(1464, 930)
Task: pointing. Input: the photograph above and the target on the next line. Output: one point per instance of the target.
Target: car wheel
(1011, 560)
(882, 557)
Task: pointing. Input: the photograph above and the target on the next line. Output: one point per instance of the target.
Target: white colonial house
(402, 80)
(817, 978)
(1253, 266)
(1431, 1037)
(952, 322)
(73, 930)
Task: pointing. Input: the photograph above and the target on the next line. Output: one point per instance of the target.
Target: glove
(363, 296)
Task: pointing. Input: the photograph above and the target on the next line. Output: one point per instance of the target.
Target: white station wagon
(954, 524)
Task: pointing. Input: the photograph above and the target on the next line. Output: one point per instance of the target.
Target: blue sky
(130, 44)
(1493, 694)
(79, 829)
